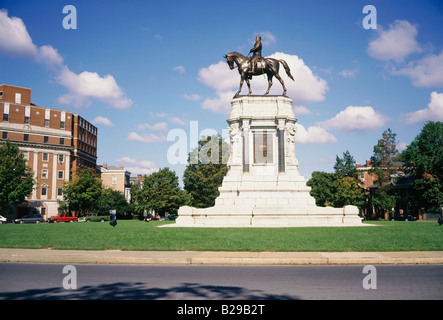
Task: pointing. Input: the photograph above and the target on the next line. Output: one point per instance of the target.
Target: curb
(218, 258)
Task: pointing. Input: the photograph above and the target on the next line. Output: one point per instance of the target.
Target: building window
(4, 135)
(47, 123)
(60, 174)
(114, 179)
(45, 139)
(62, 141)
(44, 173)
(61, 158)
(45, 156)
(26, 137)
(44, 190)
(62, 125)
(6, 111)
(26, 155)
(18, 98)
(26, 120)
(60, 191)
(1, 94)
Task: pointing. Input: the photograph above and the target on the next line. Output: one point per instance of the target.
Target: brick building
(366, 178)
(55, 144)
(116, 178)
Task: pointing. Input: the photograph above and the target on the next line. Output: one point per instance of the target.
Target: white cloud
(138, 166)
(192, 97)
(313, 135)
(349, 73)
(92, 85)
(433, 112)
(356, 120)
(15, 39)
(426, 72)
(306, 88)
(179, 69)
(146, 138)
(395, 43)
(102, 120)
(177, 120)
(161, 126)
(81, 86)
(401, 146)
(221, 104)
(300, 110)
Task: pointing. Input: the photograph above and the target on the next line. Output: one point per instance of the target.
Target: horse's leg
(282, 83)
(242, 78)
(269, 83)
(249, 86)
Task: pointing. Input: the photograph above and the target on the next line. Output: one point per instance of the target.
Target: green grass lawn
(140, 235)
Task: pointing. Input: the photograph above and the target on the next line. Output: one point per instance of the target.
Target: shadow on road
(139, 291)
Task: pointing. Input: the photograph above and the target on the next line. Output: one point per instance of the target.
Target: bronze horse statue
(268, 66)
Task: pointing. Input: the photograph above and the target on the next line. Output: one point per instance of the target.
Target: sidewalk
(218, 258)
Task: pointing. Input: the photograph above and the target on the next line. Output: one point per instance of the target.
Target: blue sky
(139, 69)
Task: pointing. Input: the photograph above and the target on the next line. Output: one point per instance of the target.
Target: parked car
(62, 218)
(151, 218)
(2, 219)
(30, 218)
(96, 218)
(404, 218)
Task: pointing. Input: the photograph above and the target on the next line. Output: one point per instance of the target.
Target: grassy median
(140, 235)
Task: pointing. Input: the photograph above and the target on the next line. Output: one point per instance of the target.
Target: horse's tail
(288, 71)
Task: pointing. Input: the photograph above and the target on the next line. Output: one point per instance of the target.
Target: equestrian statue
(257, 65)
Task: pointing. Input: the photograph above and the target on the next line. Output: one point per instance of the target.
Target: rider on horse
(256, 55)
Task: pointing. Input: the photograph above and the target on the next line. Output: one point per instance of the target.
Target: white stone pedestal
(263, 187)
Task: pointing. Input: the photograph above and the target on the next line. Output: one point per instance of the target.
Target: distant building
(400, 182)
(138, 180)
(366, 178)
(54, 142)
(116, 178)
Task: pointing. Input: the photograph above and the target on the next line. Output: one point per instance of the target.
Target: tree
(203, 178)
(16, 178)
(423, 160)
(385, 158)
(161, 192)
(84, 192)
(138, 206)
(340, 188)
(323, 187)
(113, 200)
(385, 163)
(346, 167)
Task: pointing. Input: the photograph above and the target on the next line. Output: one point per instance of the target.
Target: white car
(2, 219)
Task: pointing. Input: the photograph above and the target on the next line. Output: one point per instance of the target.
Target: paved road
(118, 282)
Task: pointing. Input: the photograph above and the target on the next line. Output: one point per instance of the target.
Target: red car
(62, 218)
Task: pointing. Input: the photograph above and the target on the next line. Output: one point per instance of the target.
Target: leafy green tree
(323, 185)
(16, 178)
(161, 192)
(346, 166)
(423, 160)
(113, 200)
(385, 163)
(138, 206)
(84, 192)
(340, 188)
(349, 193)
(203, 178)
